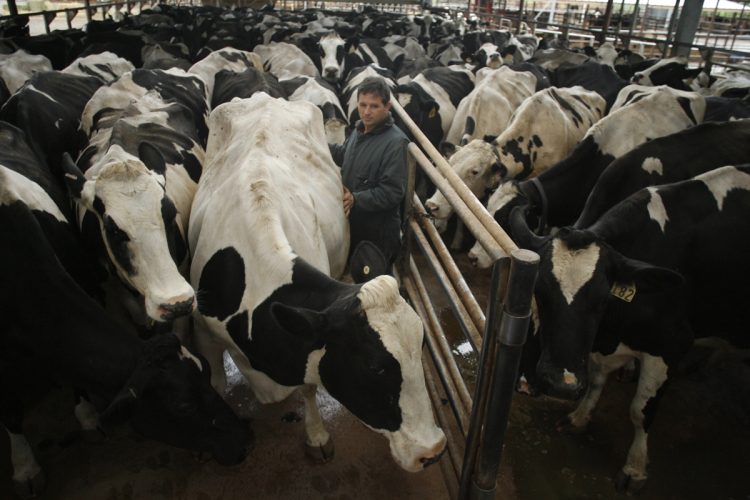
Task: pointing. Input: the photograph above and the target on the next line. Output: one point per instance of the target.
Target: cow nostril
(177, 309)
(474, 260)
(427, 461)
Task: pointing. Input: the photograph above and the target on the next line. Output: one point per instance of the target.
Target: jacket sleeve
(389, 191)
(337, 152)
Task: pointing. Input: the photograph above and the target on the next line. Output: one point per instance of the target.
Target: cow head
(476, 165)
(138, 226)
(422, 108)
(332, 48)
(579, 277)
(671, 72)
(168, 397)
(371, 363)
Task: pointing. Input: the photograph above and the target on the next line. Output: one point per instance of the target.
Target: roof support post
(687, 26)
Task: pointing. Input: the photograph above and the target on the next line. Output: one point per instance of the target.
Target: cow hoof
(322, 453)
(31, 487)
(626, 484)
(566, 426)
(93, 435)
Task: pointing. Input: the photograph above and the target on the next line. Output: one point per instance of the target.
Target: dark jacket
(373, 168)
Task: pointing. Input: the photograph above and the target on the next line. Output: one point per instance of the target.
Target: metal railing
(474, 421)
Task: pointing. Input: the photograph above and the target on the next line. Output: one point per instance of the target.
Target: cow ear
(152, 158)
(490, 138)
(80, 189)
(299, 321)
(448, 149)
(645, 276)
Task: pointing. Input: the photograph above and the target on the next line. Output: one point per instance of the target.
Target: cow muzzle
(331, 73)
(561, 383)
(171, 311)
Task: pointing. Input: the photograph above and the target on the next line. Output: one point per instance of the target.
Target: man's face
(371, 109)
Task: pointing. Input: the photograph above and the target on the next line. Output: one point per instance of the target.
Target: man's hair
(375, 85)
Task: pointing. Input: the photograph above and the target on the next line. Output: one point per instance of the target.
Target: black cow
(600, 78)
(48, 109)
(673, 158)
(51, 323)
(424, 101)
(663, 267)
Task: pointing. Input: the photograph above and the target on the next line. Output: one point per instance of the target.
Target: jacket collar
(382, 127)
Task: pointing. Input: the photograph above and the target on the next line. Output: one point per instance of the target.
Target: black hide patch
(565, 105)
(684, 103)
(513, 148)
(175, 241)
(117, 240)
(221, 284)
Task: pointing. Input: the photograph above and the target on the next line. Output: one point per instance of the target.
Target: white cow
(267, 231)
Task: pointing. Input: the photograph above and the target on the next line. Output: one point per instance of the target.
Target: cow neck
(534, 191)
(283, 355)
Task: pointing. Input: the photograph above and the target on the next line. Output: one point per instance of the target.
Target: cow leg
(210, 348)
(88, 418)
(599, 369)
(318, 444)
(633, 475)
(28, 478)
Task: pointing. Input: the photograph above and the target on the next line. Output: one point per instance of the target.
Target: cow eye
(114, 233)
(474, 171)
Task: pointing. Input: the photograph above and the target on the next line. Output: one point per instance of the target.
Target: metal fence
(474, 424)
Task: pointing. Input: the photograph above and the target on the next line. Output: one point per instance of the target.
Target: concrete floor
(125, 467)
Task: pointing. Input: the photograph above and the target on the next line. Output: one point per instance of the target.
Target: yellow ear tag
(366, 270)
(623, 291)
(432, 113)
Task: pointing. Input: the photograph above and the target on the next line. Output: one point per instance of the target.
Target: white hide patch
(569, 377)
(16, 187)
(652, 165)
(184, 353)
(722, 180)
(656, 209)
(404, 99)
(573, 268)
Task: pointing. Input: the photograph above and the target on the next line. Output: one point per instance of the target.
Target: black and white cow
(672, 158)
(48, 109)
(356, 76)
(18, 67)
(488, 108)
(141, 172)
(431, 99)
(672, 71)
(229, 84)
(51, 323)
(267, 232)
(557, 196)
(284, 60)
(320, 93)
(105, 66)
(600, 78)
(227, 58)
(663, 267)
(541, 132)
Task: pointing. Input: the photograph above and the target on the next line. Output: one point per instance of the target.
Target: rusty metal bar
(450, 267)
(471, 201)
(445, 348)
(457, 304)
(673, 17)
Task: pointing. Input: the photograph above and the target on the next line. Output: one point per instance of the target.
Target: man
(373, 170)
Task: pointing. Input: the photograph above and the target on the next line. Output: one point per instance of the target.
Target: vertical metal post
(12, 7)
(520, 16)
(510, 339)
(632, 23)
(619, 21)
(672, 18)
(408, 213)
(737, 26)
(87, 8)
(644, 19)
(484, 380)
(602, 35)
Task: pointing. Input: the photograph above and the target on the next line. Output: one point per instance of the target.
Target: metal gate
(474, 424)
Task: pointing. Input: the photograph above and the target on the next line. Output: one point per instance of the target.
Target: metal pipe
(465, 321)
(408, 210)
(510, 338)
(464, 192)
(467, 215)
(485, 371)
(736, 27)
(619, 21)
(672, 18)
(450, 268)
(442, 343)
(607, 18)
(632, 22)
(442, 417)
(520, 16)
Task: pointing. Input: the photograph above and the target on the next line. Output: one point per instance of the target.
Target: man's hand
(348, 201)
